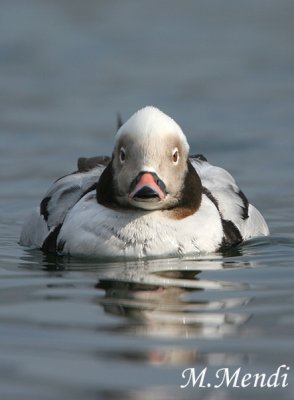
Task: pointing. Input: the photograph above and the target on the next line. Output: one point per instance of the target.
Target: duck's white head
(150, 161)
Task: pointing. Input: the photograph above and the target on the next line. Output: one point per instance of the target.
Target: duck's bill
(147, 187)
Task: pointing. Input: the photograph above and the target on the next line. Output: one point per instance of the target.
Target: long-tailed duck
(150, 199)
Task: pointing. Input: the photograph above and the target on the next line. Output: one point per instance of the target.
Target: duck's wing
(63, 194)
(222, 189)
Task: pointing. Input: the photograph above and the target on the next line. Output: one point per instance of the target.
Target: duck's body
(142, 204)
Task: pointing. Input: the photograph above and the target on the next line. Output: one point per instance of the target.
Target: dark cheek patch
(190, 197)
(105, 192)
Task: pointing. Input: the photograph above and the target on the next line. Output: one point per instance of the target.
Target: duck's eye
(175, 156)
(122, 155)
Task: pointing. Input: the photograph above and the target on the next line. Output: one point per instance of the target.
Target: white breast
(91, 229)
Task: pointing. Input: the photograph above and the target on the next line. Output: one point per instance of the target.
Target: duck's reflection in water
(175, 301)
(172, 301)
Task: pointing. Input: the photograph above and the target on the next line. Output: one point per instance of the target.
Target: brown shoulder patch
(180, 212)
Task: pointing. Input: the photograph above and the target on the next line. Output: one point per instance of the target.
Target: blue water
(72, 329)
